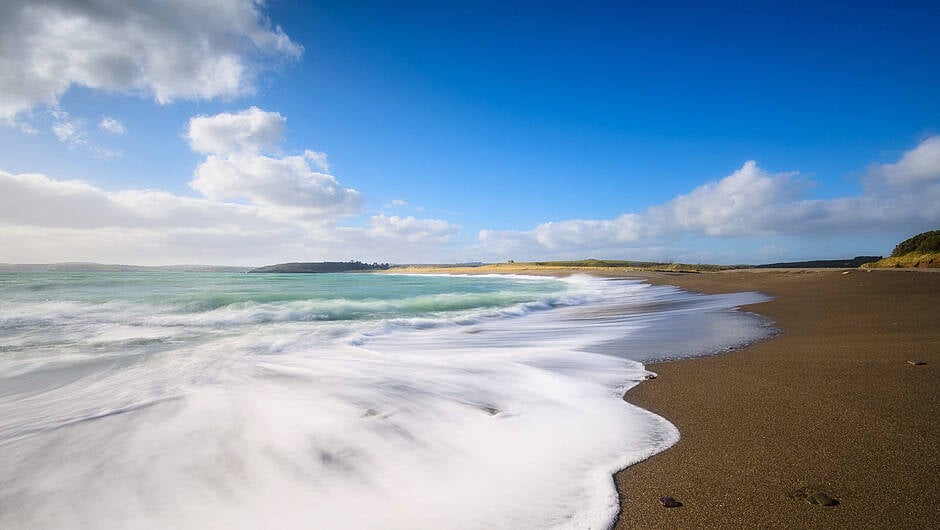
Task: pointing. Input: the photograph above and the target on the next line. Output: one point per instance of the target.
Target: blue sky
(466, 131)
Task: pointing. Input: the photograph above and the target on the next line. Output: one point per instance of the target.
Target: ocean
(225, 400)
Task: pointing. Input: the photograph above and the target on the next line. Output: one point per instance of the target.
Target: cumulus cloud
(920, 165)
(256, 207)
(412, 229)
(287, 182)
(733, 205)
(902, 196)
(175, 49)
(238, 167)
(44, 220)
(112, 126)
(250, 131)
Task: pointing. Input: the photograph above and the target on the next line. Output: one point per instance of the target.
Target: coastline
(829, 404)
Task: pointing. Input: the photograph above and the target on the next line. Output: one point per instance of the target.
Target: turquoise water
(187, 400)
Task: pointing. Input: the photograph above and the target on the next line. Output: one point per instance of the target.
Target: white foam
(476, 421)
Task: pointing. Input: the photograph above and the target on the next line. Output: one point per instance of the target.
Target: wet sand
(831, 404)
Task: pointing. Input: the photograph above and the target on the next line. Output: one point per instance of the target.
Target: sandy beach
(831, 404)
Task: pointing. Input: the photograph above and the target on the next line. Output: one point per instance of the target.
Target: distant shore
(831, 405)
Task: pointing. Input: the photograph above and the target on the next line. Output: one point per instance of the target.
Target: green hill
(924, 243)
(921, 251)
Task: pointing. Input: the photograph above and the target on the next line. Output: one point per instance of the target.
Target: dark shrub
(925, 242)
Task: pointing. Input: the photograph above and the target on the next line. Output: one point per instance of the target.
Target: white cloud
(902, 197)
(287, 182)
(237, 169)
(287, 210)
(319, 159)
(72, 132)
(917, 166)
(112, 126)
(66, 131)
(250, 131)
(36, 200)
(48, 220)
(578, 232)
(732, 206)
(400, 204)
(412, 229)
(175, 49)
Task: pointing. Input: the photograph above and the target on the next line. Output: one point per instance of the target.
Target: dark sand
(830, 404)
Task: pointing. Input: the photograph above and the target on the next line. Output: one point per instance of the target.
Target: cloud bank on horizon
(292, 211)
(287, 210)
(752, 202)
(257, 202)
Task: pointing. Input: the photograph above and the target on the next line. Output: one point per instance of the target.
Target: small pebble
(821, 499)
(917, 363)
(669, 502)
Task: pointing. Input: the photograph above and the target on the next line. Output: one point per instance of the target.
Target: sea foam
(335, 402)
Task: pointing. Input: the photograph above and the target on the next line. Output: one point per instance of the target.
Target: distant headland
(322, 267)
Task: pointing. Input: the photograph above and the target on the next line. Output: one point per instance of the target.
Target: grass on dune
(920, 251)
(920, 260)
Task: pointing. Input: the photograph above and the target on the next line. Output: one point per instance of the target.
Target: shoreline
(829, 404)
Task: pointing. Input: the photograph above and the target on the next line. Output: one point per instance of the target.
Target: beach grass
(910, 260)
